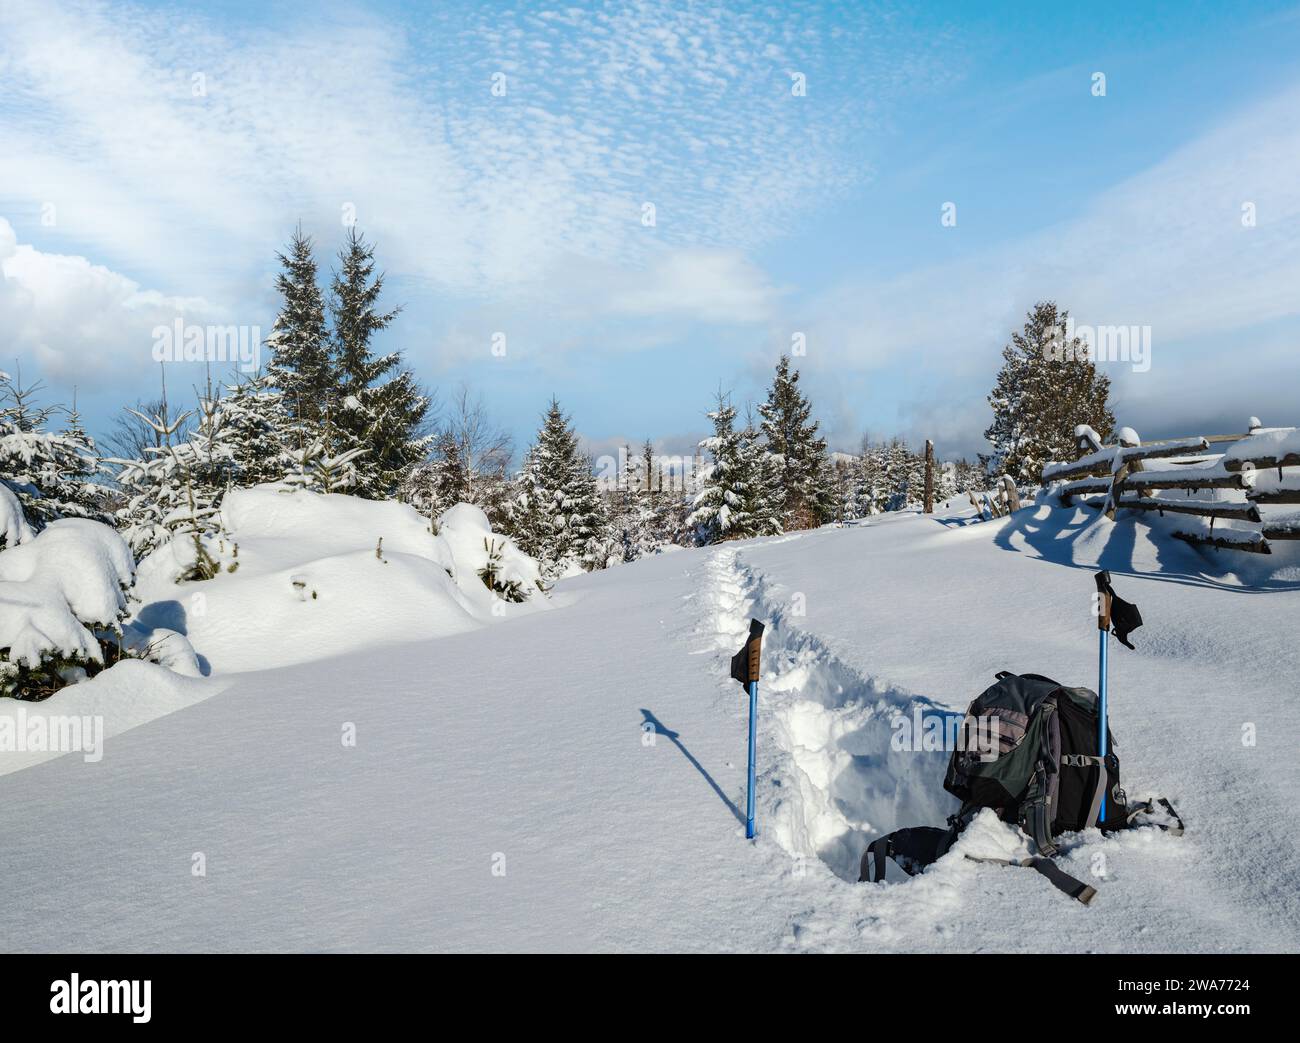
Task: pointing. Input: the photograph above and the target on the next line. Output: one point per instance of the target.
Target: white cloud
(606, 108)
(706, 285)
(80, 322)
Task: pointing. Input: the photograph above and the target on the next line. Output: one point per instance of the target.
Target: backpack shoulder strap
(1033, 677)
(1058, 877)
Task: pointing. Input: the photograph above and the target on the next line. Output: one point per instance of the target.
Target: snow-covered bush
(495, 559)
(63, 597)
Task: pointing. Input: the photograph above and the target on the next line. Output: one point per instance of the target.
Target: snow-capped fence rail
(1246, 477)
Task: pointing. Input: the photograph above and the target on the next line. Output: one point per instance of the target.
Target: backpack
(1031, 754)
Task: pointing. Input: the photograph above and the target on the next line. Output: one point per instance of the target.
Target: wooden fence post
(1010, 494)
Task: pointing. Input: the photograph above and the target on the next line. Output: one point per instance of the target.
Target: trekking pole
(1103, 672)
(749, 787)
(745, 669)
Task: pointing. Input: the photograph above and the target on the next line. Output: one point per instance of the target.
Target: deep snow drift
(571, 779)
(313, 580)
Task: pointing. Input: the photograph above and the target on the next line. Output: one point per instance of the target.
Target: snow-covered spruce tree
(1046, 387)
(440, 481)
(665, 504)
(916, 477)
(314, 469)
(300, 366)
(148, 483)
(847, 476)
(50, 472)
(493, 576)
(207, 467)
(969, 477)
(736, 501)
(257, 427)
(381, 408)
(769, 473)
(897, 474)
(558, 515)
(82, 495)
(869, 488)
(945, 481)
(798, 451)
(173, 496)
(632, 510)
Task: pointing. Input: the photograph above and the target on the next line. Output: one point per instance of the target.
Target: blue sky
(127, 199)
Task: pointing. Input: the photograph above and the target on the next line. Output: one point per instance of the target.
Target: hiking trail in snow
(828, 777)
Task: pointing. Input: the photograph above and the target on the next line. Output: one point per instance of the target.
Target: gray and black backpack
(1039, 768)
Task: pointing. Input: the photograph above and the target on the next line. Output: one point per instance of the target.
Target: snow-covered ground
(571, 779)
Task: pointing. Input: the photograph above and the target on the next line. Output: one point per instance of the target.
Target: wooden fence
(1250, 481)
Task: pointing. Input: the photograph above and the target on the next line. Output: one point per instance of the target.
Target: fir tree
(314, 469)
(258, 427)
(903, 475)
(173, 495)
(737, 500)
(558, 515)
(797, 450)
(300, 366)
(50, 472)
(627, 516)
(646, 468)
(846, 490)
(441, 481)
(968, 477)
(381, 408)
(1045, 388)
(870, 491)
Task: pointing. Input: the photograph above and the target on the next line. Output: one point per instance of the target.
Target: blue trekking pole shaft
(753, 722)
(1103, 669)
(1103, 675)
(745, 670)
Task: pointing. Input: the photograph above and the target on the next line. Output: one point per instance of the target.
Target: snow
(1109, 458)
(13, 526)
(313, 580)
(1266, 445)
(87, 564)
(164, 647)
(72, 575)
(571, 779)
(123, 697)
(1087, 433)
(465, 530)
(35, 620)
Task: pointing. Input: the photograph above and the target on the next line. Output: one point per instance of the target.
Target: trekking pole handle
(1103, 600)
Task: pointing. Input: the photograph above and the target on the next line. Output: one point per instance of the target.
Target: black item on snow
(1124, 615)
(1044, 774)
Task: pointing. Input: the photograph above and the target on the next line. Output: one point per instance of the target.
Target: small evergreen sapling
(506, 589)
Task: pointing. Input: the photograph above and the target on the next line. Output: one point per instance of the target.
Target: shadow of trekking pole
(659, 729)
